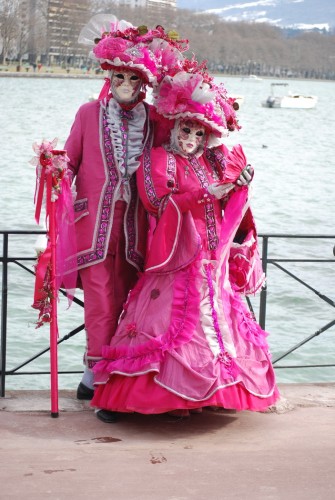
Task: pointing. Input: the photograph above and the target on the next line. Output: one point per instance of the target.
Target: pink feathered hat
(118, 44)
(194, 95)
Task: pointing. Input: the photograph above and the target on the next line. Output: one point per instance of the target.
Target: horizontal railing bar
(269, 235)
(15, 259)
(273, 261)
(270, 261)
(42, 373)
(305, 366)
(23, 231)
(307, 236)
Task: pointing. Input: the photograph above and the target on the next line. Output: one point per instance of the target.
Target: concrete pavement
(287, 453)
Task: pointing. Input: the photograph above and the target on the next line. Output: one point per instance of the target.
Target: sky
(201, 4)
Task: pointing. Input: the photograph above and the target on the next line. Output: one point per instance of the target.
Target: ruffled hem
(184, 318)
(143, 395)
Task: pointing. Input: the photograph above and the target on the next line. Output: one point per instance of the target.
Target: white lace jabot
(127, 161)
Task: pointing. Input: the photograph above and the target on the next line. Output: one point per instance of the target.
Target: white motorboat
(93, 97)
(251, 78)
(290, 100)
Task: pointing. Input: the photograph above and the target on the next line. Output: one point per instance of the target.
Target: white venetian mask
(189, 136)
(126, 85)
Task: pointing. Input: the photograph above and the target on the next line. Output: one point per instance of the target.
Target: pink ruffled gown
(186, 338)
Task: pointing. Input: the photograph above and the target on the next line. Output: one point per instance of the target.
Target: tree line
(236, 48)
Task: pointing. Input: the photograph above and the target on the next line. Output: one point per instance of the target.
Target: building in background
(149, 3)
(46, 31)
(65, 19)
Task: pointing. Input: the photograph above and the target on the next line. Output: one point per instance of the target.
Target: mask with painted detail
(126, 85)
(190, 136)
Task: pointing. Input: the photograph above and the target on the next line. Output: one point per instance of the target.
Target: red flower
(45, 160)
(131, 330)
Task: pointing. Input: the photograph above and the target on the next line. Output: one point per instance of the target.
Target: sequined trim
(104, 216)
(171, 173)
(163, 205)
(172, 183)
(132, 230)
(80, 205)
(148, 182)
(213, 239)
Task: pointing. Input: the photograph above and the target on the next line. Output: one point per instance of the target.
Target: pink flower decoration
(131, 330)
(109, 48)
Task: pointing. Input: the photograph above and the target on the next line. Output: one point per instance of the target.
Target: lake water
(293, 193)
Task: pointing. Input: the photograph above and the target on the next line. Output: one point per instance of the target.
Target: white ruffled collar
(127, 157)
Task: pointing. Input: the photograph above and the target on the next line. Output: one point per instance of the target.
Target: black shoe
(84, 392)
(109, 417)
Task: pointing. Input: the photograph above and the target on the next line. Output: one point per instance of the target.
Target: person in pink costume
(186, 339)
(104, 146)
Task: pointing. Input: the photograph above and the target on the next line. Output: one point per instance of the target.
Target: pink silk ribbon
(65, 249)
(105, 89)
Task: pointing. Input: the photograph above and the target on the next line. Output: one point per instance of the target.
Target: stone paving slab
(293, 395)
(284, 454)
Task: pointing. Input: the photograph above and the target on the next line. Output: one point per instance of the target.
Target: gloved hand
(237, 168)
(245, 176)
(73, 192)
(220, 190)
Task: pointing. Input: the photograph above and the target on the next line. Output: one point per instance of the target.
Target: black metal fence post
(4, 296)
(262, 302)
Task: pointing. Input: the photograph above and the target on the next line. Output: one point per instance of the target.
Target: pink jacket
(98, 182)
(178, 237)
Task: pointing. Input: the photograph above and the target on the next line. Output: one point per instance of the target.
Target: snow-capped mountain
(298, 14)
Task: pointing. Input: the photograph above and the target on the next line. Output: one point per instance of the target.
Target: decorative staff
(53, 191)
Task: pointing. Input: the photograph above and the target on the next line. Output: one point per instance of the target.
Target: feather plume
(98, 25)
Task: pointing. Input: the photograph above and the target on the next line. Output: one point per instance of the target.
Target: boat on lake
(251, 78)
(290, 100)
(93, 97)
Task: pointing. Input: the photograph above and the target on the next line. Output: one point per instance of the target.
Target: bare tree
(9, 10)
(232, 47)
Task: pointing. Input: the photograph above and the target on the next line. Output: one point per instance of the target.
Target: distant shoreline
(85, 76)
(18, 74)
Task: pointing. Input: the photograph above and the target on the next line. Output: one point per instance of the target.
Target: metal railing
(279, 263)
(21, 262)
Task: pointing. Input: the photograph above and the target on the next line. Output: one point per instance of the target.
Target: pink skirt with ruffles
(142, 394)
(161, 357)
